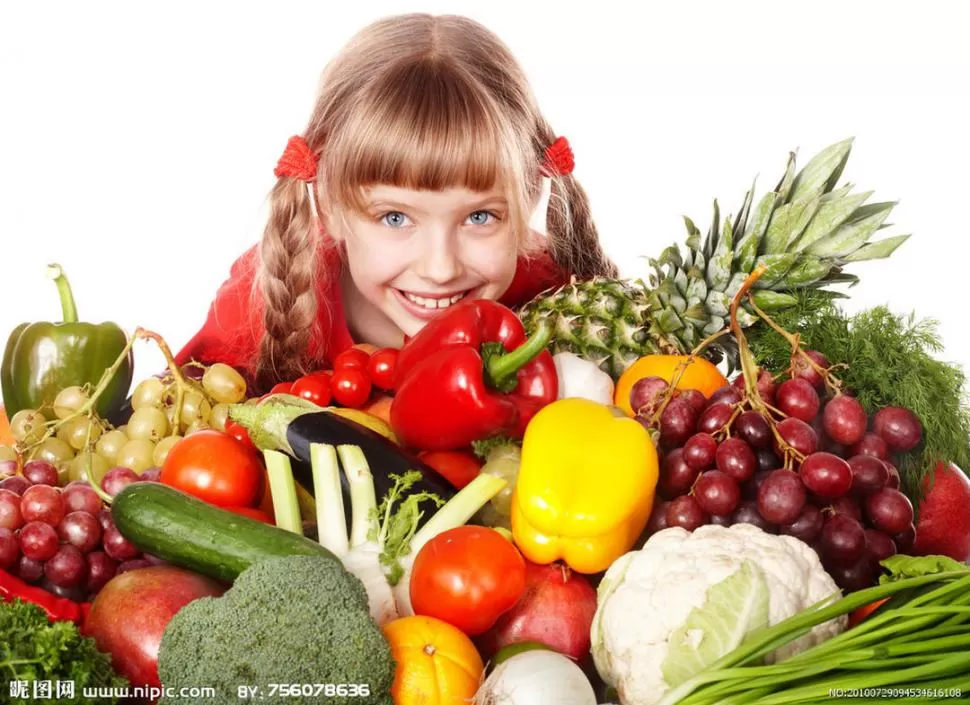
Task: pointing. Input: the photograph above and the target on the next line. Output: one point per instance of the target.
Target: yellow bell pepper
(585, 487)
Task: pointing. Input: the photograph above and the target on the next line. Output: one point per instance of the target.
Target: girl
(411, 189)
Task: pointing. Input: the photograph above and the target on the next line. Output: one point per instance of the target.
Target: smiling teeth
(434, 303)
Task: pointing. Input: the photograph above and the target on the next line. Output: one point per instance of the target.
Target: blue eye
(394, 219)
(480, 217)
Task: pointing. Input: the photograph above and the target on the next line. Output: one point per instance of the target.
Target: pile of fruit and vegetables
(710, 486)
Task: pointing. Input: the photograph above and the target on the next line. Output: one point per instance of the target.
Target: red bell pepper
(58, 609)
(470, 374)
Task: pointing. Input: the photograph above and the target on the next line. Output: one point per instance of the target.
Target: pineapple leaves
(719, 266)
(776, 266)
(787, 224)
(750, 245)
(877, 250)
(853, 234)
(821, 172)
(835, 209)
(784, 186)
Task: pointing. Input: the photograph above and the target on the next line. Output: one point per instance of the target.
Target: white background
(138, 140)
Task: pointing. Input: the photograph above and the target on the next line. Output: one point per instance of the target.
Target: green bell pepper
(43, 358)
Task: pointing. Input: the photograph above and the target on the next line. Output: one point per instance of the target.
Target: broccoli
(298, 621)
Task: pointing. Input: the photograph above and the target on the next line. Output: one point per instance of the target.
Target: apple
(943, 527)
(556, 610)
(130, 614)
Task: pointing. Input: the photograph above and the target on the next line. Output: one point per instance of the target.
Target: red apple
(556, 609)
(944, 515)
(132, 610)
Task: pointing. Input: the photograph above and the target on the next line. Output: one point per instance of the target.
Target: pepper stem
(501, 369)
(68, 307)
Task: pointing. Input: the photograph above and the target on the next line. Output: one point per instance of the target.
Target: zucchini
(192, 534)
(292, 427)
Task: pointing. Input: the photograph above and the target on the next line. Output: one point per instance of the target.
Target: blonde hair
(417, 101)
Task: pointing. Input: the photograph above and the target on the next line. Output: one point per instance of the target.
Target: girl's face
(412, 254)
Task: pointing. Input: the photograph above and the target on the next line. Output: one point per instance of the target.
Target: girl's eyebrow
(381, 203)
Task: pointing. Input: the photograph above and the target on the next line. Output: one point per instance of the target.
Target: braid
(286, 279)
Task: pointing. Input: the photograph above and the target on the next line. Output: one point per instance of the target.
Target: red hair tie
(559, 158)
(297, 162)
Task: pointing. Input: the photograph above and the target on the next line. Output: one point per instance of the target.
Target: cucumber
(192, 534)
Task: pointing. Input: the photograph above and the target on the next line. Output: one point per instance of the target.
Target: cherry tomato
(459, 467)
(313, 387)
(381, 367)
(468, 577)
(351, 387)
(214, 467)
(282, 388)
(352, 358)
(239, 433)
(252, 513)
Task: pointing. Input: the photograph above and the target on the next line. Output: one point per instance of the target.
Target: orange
(6, 438)
(367, 348)
(437, 664)
(700, 374)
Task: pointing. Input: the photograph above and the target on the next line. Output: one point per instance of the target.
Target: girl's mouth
(427, 306)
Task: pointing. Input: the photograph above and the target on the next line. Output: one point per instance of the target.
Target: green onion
(920, 635)
(282, 487)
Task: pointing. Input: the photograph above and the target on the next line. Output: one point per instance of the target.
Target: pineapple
(804, 232)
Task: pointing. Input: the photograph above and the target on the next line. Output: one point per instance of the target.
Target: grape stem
(87, 408)
(679, 373)
(749, 367)
(832, 383)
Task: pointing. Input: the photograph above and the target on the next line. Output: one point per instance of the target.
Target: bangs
(424, 126)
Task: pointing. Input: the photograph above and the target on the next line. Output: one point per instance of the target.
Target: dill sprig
(892, 361)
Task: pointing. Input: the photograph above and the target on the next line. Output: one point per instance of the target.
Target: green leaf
(852, 235)
(823, 169)
(741, 220)
(713, 232)
(901, 567)
(877, 250)
(398, 525)
(732, 609)
(835, 209)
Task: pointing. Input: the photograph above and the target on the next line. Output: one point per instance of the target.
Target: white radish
(538, 677)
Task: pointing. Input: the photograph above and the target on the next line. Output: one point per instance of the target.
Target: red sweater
(234, 326)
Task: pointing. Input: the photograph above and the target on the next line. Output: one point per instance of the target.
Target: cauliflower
(646, 597)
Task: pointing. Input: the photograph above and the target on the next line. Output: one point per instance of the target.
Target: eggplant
(290, 425)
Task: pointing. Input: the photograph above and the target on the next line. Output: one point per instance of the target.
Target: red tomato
(313, 387)
(351, 387)
(352, 358)
(381, 367)
(861, 614)
(468, 577)
(282, 388)
(239, 433)
(459, 467)
(214, 467)
(252, 513)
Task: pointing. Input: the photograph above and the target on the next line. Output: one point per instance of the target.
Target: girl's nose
(439, 261)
